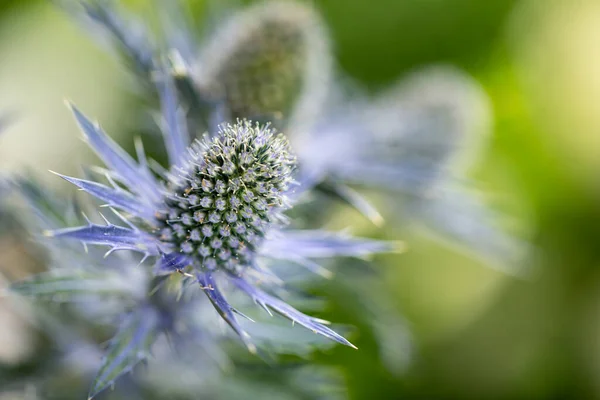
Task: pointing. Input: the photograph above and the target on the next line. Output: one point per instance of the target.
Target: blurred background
(477, 333)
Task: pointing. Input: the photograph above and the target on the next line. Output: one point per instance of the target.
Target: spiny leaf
(62, 285)
(114, 197)
(137, 178)
(130, 345)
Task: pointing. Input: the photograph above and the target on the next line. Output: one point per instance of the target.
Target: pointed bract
(113, 197)
(354, 199)
(269, 302)
(117, 237)
(126, 169)
(130, 345)
(175, 131)
(319, 243)
(128, 34)
(224, 309)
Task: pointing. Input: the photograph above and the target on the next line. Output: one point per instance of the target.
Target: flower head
(226, 196)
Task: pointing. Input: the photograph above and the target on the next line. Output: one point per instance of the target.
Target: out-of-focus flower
(414, 143)
(270, 61)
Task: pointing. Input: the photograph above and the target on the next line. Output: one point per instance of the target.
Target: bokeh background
(478, 333)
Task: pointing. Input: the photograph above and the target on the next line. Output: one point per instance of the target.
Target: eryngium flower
(412, 142)
(213, 218)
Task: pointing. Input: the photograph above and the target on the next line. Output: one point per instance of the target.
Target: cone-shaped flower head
(232, 189)
(270, 61)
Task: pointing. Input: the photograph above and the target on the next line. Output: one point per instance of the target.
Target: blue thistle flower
(406, 142)
(212, 218)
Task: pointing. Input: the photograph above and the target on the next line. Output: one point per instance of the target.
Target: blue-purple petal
(267, 301)
(113, 197)
(175, 131)
(138, 179)
(322, 244)
(117, 237)
(225, 310)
